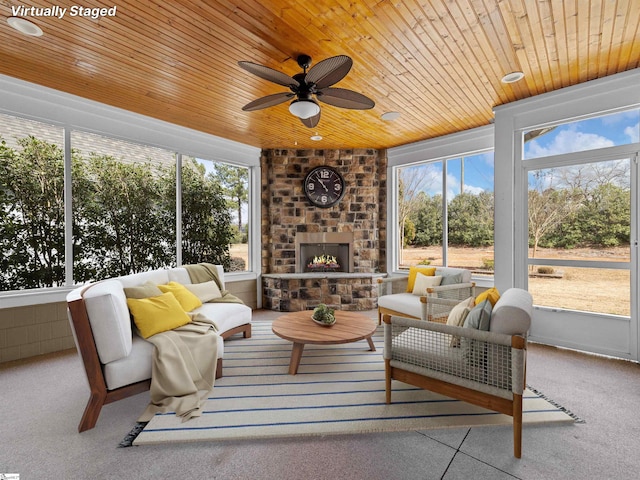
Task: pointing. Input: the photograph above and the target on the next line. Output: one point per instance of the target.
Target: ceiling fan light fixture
(25, 26)
(304, 108)
(512, 77)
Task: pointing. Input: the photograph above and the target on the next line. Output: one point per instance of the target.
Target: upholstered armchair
(403, 295)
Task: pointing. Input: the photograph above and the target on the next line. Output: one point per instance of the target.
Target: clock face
(324, 186)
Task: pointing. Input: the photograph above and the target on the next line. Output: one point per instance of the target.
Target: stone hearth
(286, 214)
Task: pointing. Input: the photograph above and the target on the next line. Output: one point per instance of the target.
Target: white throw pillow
(425, 281)
(205, 291)
(457, 316)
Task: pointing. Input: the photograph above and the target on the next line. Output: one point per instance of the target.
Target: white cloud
(633, 132)
(567, 141)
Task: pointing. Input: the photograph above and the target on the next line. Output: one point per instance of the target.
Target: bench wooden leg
(92, 411)
(517, 426)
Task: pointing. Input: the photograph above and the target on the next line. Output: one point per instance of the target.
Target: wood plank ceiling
(436, 62)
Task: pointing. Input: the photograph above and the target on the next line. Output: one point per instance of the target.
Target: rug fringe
(127, 441)
(575, 417)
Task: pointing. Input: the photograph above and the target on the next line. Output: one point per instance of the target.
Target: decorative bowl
(324, 324)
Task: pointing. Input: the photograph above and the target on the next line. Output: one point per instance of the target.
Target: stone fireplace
(354, 230)
(338, 245)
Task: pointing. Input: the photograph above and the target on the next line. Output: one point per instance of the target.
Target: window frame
(32, 102)
(457, 145)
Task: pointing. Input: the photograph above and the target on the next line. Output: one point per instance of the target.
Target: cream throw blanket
(183, 369)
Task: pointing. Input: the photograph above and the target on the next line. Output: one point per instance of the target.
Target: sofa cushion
(406, 303)
(156, 277)
(423, 282)
(452, 272)
(187, 300)
(143, 291)
(108, 314)
(225, 315)
(137, 366)
(205, 291)
(157, 314)
(179, 274)
(512, 313)
(413, 272)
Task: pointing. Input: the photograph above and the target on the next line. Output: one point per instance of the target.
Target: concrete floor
(41, 401)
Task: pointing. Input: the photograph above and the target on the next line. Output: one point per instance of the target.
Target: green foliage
(471, 219)
(32, 235)
(488, 263)
(324, 314)
(124, 217)
(428, 221)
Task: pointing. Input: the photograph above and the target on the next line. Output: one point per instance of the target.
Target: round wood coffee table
(297, 327)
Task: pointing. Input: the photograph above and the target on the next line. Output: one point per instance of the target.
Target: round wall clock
(324, 186)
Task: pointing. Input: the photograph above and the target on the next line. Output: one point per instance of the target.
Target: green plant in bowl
(323, 315)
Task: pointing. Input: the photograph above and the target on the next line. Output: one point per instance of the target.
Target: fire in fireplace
(324, 252)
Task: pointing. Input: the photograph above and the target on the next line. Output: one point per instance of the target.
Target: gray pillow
(451, 279)
(479, 318)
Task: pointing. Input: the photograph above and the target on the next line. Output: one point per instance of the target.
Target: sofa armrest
(386, 284)
(458, 291)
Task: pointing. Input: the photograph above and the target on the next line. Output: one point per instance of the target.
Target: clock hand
(323, 185)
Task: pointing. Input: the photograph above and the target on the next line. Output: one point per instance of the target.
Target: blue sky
(606, 131)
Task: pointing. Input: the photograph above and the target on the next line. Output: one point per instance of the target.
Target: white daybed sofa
(117, 361)
(488, 369)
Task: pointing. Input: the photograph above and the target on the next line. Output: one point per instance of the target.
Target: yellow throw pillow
(157, 314)
(188, 300)
(413, 271)
(492, 295)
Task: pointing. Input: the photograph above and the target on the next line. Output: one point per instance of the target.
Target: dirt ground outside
(586, 289)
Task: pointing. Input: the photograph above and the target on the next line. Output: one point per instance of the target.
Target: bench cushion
(406, 303)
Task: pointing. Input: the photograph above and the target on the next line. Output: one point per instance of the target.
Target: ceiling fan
(307, 85)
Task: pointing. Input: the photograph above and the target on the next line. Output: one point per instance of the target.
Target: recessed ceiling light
(25, 26)
(512, 77)
(390, 116)
(316, 137)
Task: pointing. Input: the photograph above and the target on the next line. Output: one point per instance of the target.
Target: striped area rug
(339, 389)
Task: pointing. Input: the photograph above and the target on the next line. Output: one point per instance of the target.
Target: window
(123, 207)
(32, 221)
(621, 128)
(214, 213)
(123, 215)
(579, 220)
(445, 213)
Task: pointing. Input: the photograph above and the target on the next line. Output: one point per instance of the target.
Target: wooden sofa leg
(219, 369)
(92, 411)
(517, 426)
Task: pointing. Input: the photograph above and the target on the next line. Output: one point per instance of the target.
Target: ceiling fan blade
(269, 74)
(268, 101)
(311, 122)
(343, 98)
(329, 71)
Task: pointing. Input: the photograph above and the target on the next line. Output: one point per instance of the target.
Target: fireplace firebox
(324, 252)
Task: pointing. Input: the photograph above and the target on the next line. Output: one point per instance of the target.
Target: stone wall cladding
(294, 295)
(286, 211)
